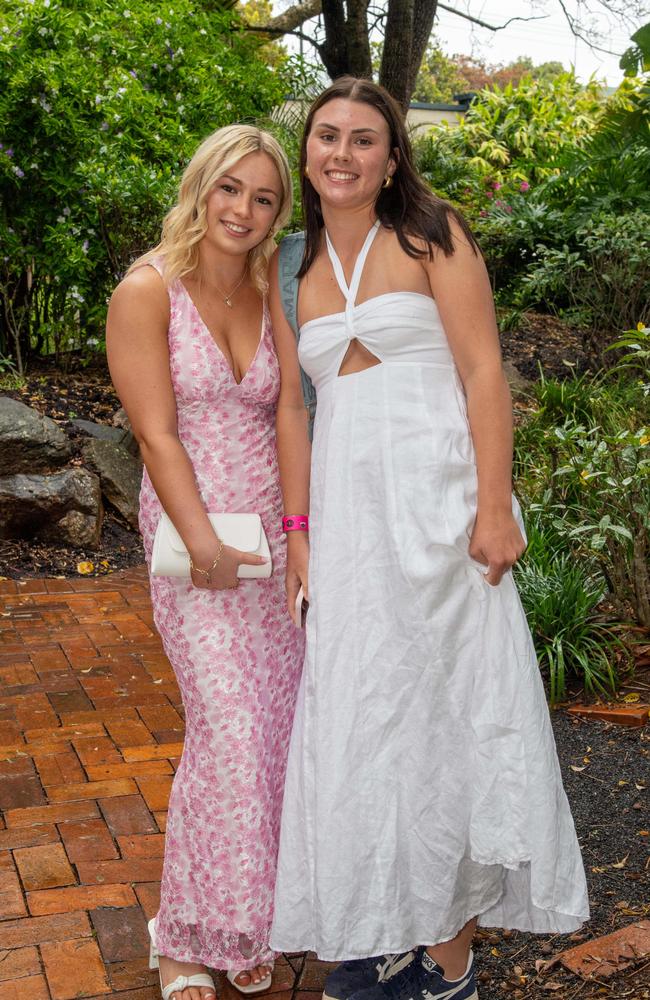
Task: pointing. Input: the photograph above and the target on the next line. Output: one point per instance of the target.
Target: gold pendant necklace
(228, 298)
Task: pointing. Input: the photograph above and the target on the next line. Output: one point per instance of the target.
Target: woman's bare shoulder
(140, 291)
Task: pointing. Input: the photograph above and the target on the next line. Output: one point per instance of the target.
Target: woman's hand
(496, 542)
(297, 567)
(224, 574)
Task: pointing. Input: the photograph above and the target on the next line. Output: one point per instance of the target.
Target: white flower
(98, 99)
(126, 13)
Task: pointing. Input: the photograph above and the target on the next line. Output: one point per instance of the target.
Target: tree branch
(291, 18)
(575, 30)
(484, 24)
(266, 30)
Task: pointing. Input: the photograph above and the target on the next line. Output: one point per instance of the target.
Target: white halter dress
(423, 785)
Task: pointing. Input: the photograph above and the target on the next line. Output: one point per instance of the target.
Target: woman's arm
(461, 288)
(138, 357)
(294, 449)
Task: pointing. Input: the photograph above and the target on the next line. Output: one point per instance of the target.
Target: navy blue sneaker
(423, 980)
(363, 973)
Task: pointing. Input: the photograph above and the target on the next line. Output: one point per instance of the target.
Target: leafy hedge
(101, 104)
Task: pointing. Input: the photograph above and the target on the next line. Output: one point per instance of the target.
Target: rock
(519, 385)
(64, 507)
(120, 474)
(120, 419)
(104, 432)
(29, 442)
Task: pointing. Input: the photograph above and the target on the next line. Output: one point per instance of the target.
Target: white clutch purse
(241, 531)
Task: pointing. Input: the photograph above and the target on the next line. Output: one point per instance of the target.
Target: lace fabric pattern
(237, 658)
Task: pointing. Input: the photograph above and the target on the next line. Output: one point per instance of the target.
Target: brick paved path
(91, 731)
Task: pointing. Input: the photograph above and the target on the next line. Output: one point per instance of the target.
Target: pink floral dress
(237, 657)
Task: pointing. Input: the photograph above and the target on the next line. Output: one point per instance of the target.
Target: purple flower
(133, 73)
(496, 185)
(524, 186)
(18, 172)
(9, 152)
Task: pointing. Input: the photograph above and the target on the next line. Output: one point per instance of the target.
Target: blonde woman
(191, 354)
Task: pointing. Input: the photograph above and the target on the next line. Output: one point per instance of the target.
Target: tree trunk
(346, 48)
(358, 41)
(333, 50)
(408, 27)
(396, 56)
(424, 13)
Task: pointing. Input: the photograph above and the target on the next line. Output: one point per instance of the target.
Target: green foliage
(561, 596)
(545, 171)
(439, 77)
(636, 59)
(101, 105)
(582, 462)
(604, 273)
(518, 133)
(637, 344)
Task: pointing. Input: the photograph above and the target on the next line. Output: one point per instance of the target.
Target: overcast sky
(543, 40)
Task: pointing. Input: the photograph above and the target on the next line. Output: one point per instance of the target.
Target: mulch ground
(91, 730)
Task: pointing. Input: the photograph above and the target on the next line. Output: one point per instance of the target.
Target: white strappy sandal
(263, 984)
(181, 982)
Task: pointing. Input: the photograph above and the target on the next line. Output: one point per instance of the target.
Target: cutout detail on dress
(357, 358)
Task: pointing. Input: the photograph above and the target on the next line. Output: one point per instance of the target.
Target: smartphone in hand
(300, 609)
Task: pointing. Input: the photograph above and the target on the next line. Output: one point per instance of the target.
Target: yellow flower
(645, 439)
(584, 475)
(640, 327)
(85, 568)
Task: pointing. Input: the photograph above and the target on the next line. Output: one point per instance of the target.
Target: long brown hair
(408, 206)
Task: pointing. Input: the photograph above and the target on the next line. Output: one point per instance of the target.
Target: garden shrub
(605, 274)
(561, 597)
(582, 466)
(544, 165)
(101, 104)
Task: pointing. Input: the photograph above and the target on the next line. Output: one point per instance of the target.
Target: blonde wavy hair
(185, 224)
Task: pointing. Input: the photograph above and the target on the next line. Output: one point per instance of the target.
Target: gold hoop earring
(306, 170)
(388, 182)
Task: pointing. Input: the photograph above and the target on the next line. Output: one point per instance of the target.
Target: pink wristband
(295, 522)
